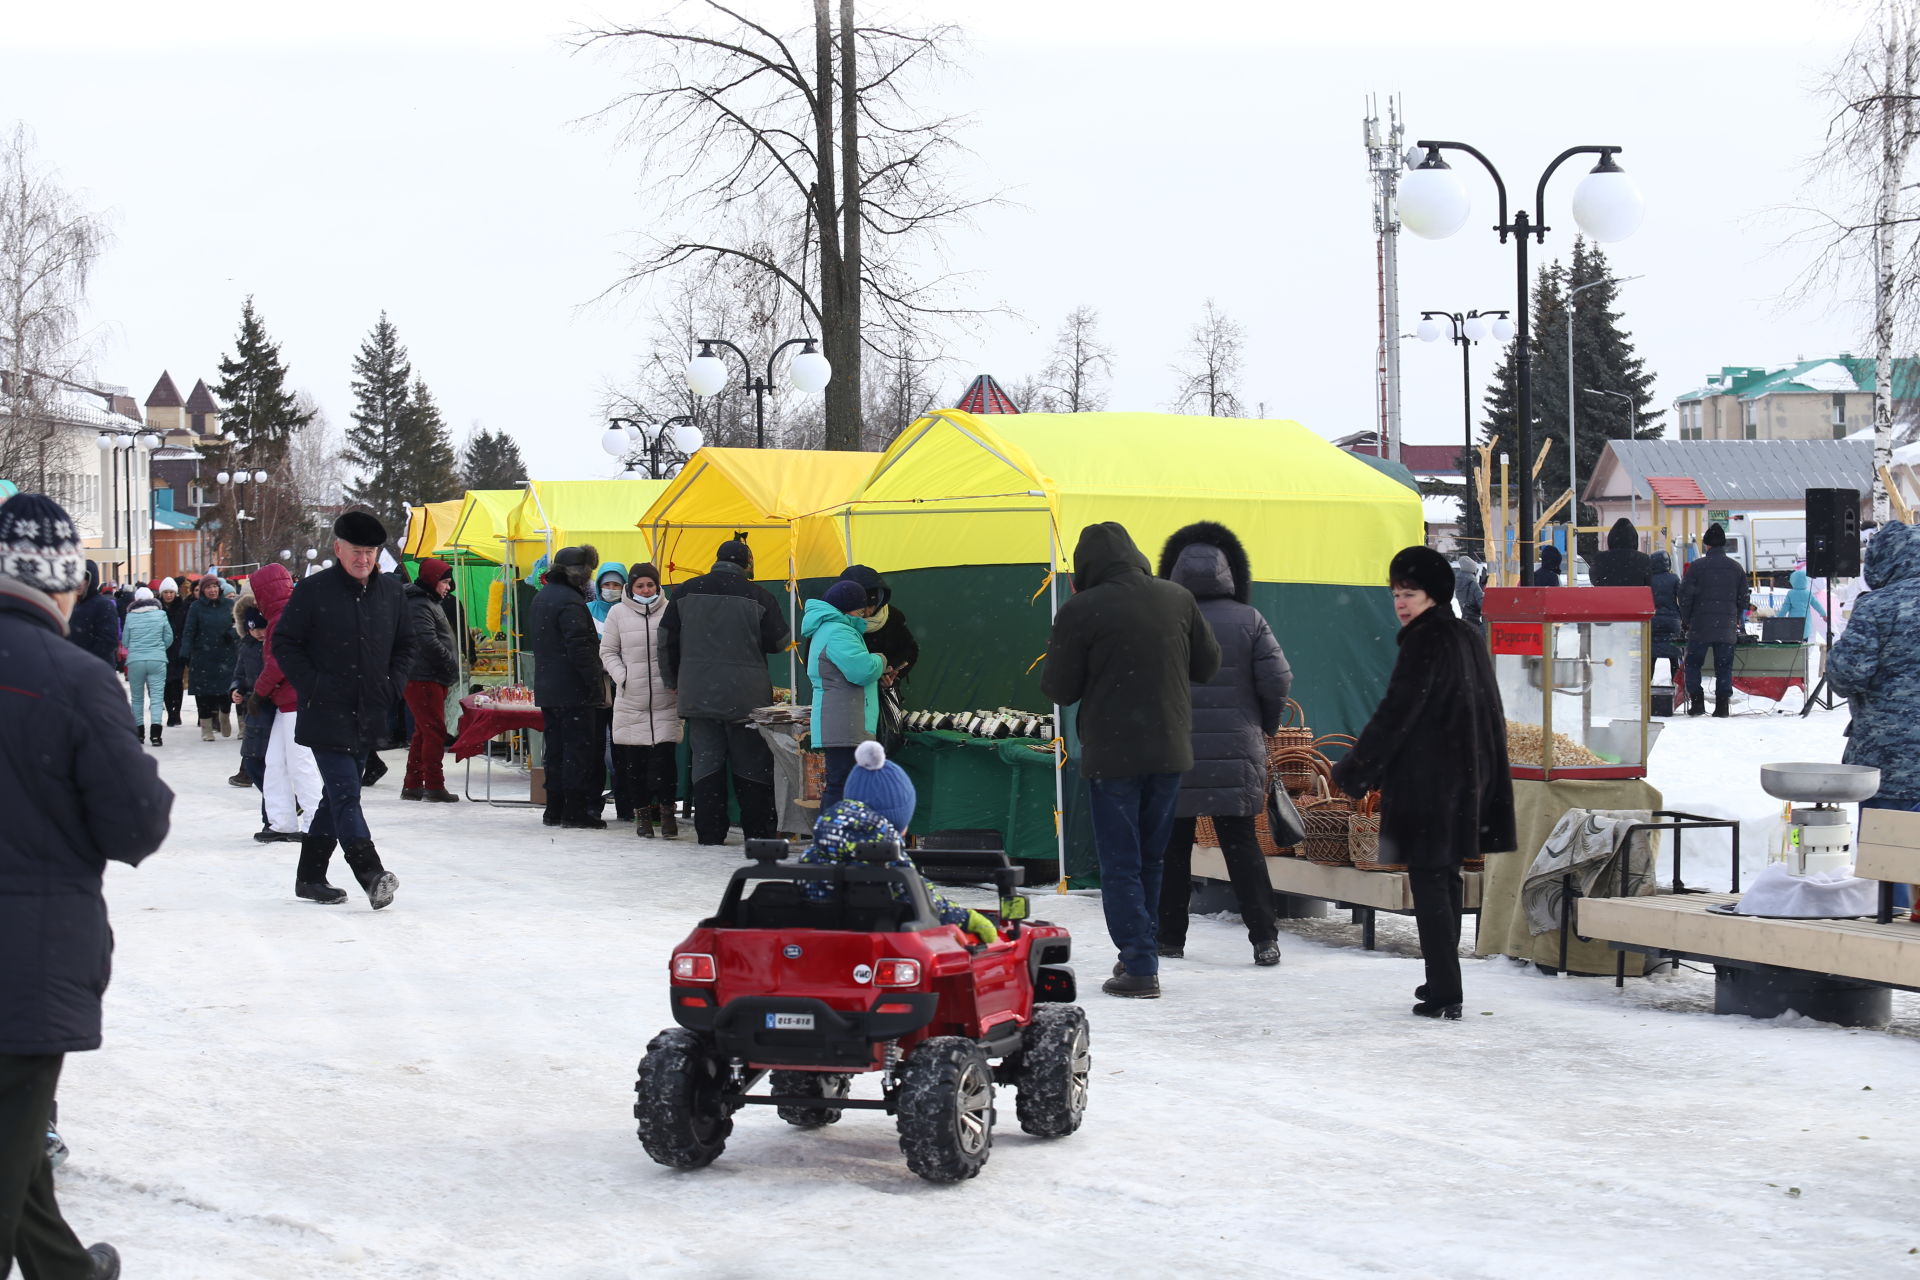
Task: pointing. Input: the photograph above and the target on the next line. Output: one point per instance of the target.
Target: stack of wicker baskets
(1364, 836)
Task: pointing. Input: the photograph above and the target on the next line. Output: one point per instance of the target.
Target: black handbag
(1283, 820)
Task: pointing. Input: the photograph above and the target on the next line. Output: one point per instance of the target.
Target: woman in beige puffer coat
(646, 713)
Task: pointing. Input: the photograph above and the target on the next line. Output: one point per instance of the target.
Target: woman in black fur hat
(1233, 715)
(1436, 751)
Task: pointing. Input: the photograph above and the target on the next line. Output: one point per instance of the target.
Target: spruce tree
(1603, 360)
(491, 460)
(381, 386)
(256, 407)
(428, 472)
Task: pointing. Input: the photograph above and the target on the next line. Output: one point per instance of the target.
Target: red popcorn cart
(1572, 665)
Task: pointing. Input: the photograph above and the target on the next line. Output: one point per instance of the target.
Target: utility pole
(1384, 160)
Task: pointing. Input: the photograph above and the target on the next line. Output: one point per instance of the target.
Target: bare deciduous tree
(733, 112)
(48, 248)
(1873, 238)
(1210, 374)
(1081, 365)
(903, 387)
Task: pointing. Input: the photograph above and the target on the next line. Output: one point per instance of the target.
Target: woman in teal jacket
(1802, 603)
(148, 636)
(846, 681)
(608, 585)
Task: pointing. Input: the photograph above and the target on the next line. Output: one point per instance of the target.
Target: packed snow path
(443, 1089)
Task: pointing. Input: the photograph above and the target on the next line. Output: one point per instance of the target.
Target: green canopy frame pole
(1059, 720)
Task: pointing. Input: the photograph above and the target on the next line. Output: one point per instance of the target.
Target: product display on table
(1000, 723)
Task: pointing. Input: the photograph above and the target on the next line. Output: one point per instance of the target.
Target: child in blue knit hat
(879, 806)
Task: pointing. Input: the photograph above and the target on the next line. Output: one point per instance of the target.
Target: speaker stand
(1822, 695)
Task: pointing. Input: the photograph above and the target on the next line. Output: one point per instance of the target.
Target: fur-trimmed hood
(241, 603)
(1206, 532)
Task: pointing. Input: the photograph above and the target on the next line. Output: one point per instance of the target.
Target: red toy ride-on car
(813, 974)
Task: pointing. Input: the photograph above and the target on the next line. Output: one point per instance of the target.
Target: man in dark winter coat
(1623, 563)
(1436, 751)
(569, 687)
(95, 625)
(1666, 614)
(1128, 648)
(1548, 574)
(1714, 597)
(77, 791)
(1234, 714)
(345, 646)
(176, 604)
(436, 665)
(714, 640)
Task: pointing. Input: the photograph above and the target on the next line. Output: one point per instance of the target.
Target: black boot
(669, 825)
(106, 1262)
(556, 810)
(1696, 702)
(1720, 707)
(375, 770)
(379, 882)
(643, 824)
(439, 796)
(310, 879)
(154, 733)
(582, 811)
(1430, 1009)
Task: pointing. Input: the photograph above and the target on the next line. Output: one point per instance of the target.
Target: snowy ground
(443, 1090)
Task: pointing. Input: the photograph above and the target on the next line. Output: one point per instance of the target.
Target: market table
(975, 784)
(1765, 670)
(480, 725)
(1537, 809)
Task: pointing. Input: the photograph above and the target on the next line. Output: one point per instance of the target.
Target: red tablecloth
(480, 725)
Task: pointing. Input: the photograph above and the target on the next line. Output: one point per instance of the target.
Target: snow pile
(444, 1089)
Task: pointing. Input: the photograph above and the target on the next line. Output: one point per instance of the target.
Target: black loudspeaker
(1833, 533)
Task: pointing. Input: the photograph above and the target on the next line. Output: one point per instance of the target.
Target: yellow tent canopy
(778, 497)
(563, 513)
(429, 525)
(1305, 511)
(481, 526)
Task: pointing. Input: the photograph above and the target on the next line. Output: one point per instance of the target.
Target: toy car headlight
(692, 967)
(897, 973)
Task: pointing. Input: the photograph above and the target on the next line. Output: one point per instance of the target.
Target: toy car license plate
(789, 1022)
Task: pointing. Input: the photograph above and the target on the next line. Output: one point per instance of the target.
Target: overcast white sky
(421, 157)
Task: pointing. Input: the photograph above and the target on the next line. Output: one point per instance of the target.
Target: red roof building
(985, 396)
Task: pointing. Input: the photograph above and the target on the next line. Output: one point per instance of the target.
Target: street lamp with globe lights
(809, 372)
(1434, 204)
(1463, 330)
(633, 441)
(130, 449)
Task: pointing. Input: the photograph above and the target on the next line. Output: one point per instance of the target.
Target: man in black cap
(345, 646)
(1714, 597)
(76, 793)
(714, 640)
(569, 686)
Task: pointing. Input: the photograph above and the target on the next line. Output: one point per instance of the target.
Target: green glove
(981, 927)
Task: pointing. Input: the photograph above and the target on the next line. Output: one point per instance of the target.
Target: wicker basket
(1206, 836)
(1293, 729)
(1363, 836)
(1325, 818)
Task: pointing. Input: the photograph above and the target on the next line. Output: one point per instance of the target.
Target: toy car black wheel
(945, 1108)
(1051, 1077)
(680, 1101)
(810, 1084)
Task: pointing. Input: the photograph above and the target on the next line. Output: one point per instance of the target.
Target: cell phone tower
(1385, 156)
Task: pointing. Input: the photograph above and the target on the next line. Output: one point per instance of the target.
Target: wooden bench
(1364, 893)
(1834, 970)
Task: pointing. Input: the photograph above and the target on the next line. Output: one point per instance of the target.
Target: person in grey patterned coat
(1876, 666)
(1233, 715)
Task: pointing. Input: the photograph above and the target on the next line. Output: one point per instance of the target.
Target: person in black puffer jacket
(1666, 615)
(77, 793)
(210, 647)
(569, 687)
(176, 606)
(1234, 714)
(1548, 574)
(95, 625)
(436, 666)
(1714, 597)
(1623, 563)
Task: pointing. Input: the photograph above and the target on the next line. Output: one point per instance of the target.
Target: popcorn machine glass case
(1572, 665)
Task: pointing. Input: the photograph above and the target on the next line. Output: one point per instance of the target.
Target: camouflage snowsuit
(1876, 665)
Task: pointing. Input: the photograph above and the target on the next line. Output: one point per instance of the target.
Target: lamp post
(628, 439)
(238, 478)
(1627, 406)
(707, 375)
(1573, 438)
(1466, 330)
(127, 447)
(1434, 204)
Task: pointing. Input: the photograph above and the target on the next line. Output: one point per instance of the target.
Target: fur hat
(1425, 568)
(882, 786)
(40, 545)
(1715, 536)
(846, 596)
(360, 529)
(735, 551)
(576, 564)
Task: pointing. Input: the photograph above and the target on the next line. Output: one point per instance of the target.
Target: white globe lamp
(1502, 329)
(223, 478)
(1607, 204)
(104, 440)
(685, 438)
(1475, 328)
(706, 373)
(810, 372)
(1433, 200)
(1428, 330)
(616, 442)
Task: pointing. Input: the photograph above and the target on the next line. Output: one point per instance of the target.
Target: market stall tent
(429, 527)
(972, 517)
(779, 498)
(564, 513)
(481, 527)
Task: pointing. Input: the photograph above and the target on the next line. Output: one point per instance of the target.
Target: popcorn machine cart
(1572, 664)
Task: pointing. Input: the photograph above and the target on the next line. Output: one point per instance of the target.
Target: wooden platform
(1380, 890)
(1862, 949)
